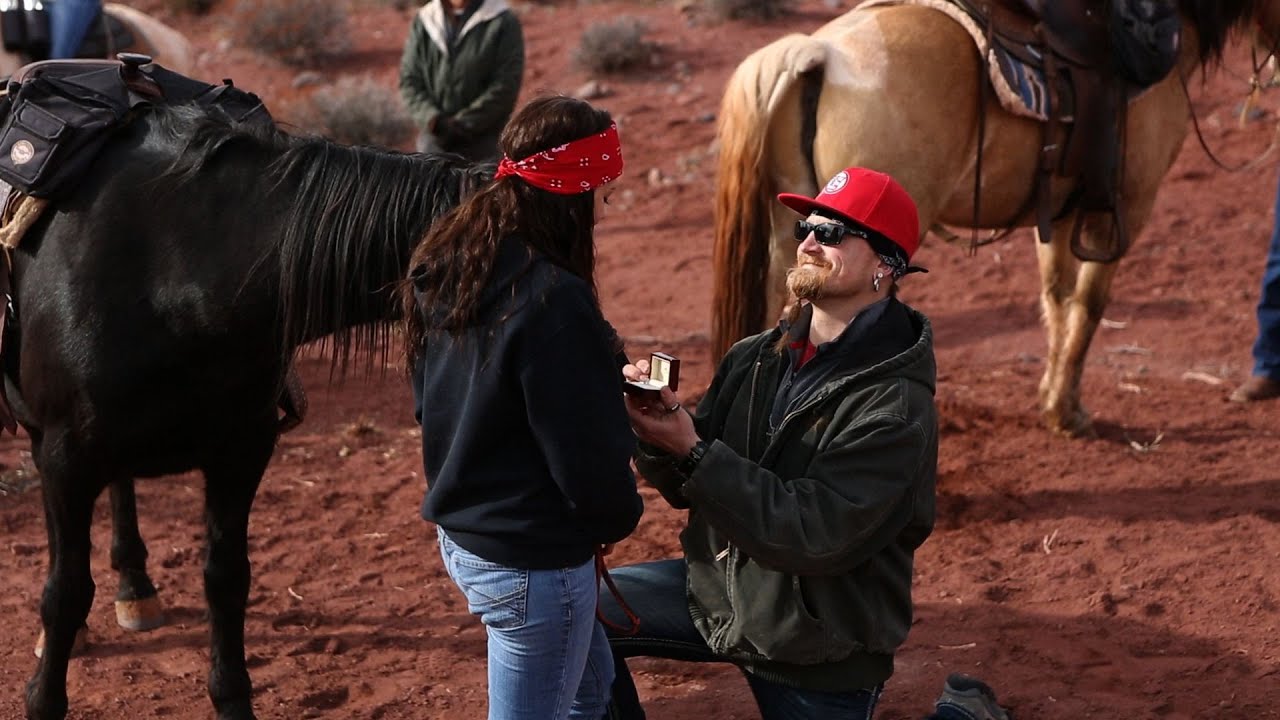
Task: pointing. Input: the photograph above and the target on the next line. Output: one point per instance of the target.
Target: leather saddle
(1094, 61)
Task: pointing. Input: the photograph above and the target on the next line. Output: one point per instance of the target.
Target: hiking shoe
(1258, 387)
(968, 698)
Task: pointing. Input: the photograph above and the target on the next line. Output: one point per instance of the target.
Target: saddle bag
(1145, 38)
(53, 130)
(58, 114)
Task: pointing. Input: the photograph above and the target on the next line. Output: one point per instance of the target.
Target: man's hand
(659, 419)
(448, 130)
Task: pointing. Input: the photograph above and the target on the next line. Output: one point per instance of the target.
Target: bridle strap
(1195, 123)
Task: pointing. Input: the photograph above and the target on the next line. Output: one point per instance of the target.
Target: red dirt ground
(1128, 576)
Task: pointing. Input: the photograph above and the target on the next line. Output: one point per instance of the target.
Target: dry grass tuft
(614, 46)
(356, 110)
(747, 9)
(298, 32)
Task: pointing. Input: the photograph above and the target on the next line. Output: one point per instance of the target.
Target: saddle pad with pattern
(1020, 88)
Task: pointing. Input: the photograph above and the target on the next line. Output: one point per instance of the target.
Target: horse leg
(229, 491)
(1093, 288)
(137, 606)
(69, 493)
(1058, 271)
(1061, 405)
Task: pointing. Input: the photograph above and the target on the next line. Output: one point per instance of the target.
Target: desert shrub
(298, 32)
(747, 9)
(394, 4)
(190, 7)
(358, 111)
(611, 46)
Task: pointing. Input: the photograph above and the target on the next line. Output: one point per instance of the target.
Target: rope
(633, 620)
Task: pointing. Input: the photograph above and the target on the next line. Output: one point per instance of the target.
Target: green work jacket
(800, 542)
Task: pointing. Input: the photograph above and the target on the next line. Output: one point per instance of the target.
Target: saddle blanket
(1021, 88)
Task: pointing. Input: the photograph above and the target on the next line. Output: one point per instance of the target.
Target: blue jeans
(549, 658)
(655, 592)
(69, 23)
(1266, 349)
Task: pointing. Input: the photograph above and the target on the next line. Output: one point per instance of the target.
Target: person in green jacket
(809, 474)
(460, 75)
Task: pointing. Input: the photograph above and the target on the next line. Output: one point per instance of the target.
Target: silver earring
(875, 281)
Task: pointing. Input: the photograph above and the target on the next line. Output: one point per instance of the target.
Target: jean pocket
(498, 595)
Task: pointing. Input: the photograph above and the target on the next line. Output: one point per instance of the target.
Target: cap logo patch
(836, 184)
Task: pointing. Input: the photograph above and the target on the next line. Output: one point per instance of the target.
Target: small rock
(592, 90)
(307, 78)
(1105, 601)
(24, 549)
(654, 177)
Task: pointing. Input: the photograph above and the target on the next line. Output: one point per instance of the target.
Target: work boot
(1258, 387)
(968, 698)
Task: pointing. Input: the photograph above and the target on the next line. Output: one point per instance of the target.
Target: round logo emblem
(22, 152)
(836, 184)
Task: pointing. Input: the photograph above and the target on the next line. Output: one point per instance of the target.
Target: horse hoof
(141, 614)
(1076, 425)
(77, 647)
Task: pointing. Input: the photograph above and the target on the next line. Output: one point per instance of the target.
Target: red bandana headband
(575, 167)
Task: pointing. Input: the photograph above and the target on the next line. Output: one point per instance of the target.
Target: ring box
(664, 371)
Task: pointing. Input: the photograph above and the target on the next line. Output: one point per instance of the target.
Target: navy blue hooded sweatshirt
(525, 438)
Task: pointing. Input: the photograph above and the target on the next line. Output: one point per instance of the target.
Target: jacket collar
(432, 16)
(916, 362)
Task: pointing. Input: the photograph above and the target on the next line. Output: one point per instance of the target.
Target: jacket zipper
(751, 407)
(727, 552)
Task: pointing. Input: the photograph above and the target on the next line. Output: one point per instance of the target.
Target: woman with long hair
(526, 441)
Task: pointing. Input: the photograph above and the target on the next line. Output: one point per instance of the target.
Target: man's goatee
(806, 281)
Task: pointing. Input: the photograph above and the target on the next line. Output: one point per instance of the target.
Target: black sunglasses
(828, 233)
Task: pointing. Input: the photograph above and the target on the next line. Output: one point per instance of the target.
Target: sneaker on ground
(968, 698)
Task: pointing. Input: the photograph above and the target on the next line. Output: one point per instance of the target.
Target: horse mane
(350, 219)
(1214, 21)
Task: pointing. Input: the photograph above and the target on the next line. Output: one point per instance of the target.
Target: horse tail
(745, 185)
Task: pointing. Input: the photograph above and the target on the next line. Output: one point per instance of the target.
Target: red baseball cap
(868, 199)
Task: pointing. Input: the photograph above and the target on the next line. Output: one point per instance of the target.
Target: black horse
(158, 308)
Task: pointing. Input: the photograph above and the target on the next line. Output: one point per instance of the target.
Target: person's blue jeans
(549, 658)
(1266, 348)
(69, 23)
(655, 592)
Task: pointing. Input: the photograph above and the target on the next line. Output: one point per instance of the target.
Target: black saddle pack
(56, 115)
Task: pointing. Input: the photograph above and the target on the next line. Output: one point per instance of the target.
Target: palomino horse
(895, 89)
(151, 37)
(159, 306)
